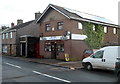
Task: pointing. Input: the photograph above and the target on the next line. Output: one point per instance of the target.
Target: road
(15, 70)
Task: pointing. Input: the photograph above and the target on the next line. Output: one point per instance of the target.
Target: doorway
(23, 49)
(53, 50)
(37, 50)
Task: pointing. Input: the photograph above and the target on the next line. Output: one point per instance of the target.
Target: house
(61, 32)
(19, 40)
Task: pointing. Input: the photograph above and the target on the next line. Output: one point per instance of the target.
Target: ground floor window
(4, 48)
(60, 47)
(57, 46)
(47, 47)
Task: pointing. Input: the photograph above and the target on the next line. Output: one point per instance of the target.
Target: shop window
(60, 47)
(47, 47)
(47, 27)
(4, 49)
(60, 25)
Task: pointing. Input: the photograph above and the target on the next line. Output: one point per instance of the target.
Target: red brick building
(61, 32)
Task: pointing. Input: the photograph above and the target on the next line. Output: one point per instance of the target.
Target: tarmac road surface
(15, 70)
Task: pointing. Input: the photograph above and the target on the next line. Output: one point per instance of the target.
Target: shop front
(60, 47)
(54, 47)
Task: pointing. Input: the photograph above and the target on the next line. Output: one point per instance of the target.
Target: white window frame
(80, 25)
(11, 34)
(3, 36)
(6, 35)
(114, 31)
(105, 29)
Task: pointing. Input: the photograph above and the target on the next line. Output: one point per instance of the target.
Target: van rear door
(109, 57)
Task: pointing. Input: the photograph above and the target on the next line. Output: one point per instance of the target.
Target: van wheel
(89, 67)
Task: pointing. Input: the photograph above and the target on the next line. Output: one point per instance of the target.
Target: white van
(104, 58)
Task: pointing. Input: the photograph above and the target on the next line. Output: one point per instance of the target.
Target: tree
(95, 37)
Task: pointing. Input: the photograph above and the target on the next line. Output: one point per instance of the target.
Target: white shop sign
(78, 37)
(55, 38)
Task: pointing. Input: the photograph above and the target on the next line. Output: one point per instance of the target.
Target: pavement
(53, 62)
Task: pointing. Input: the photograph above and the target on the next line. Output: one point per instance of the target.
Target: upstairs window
(47, 27)
(114, 31)
(11, 35)
(3, 36)
(80, 25)
(105, 29)
(94, 27)
(6, 35)
(60, 25)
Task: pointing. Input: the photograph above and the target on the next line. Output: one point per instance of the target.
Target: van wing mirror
(93, 56)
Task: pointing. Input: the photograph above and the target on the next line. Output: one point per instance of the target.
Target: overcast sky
(11, 10)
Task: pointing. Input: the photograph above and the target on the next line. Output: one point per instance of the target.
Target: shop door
(53, 50)
(37, 50)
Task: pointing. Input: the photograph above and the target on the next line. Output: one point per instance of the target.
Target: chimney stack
(19, 21)
(37, 15)
(12, 24)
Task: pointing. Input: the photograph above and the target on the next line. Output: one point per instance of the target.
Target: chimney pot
(12, 24)
(37, 15)
(19, 21)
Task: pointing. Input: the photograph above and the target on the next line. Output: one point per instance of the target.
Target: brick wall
(9, 40)
(13, 52)
(111, 38)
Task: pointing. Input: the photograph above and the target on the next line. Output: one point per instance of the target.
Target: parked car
(117, 69)
(104, 58)
(87, 53)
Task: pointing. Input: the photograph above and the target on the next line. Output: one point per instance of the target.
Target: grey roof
(77, 15)
(18, 26)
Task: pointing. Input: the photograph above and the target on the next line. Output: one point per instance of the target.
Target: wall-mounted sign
(55, 38)
(78, 37)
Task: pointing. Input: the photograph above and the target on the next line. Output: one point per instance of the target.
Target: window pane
(6, 35)
(79, 25)
(4, 49)
(114, 31)
(47, 27)
(60, 25)
(3, 36)
(99, 54)
(105, 29)
(10, 34)
(94, 27)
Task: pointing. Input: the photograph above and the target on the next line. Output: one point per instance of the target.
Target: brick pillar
(8, 49)
(14, 50)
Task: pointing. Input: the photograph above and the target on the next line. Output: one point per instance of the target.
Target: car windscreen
(88, 51)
